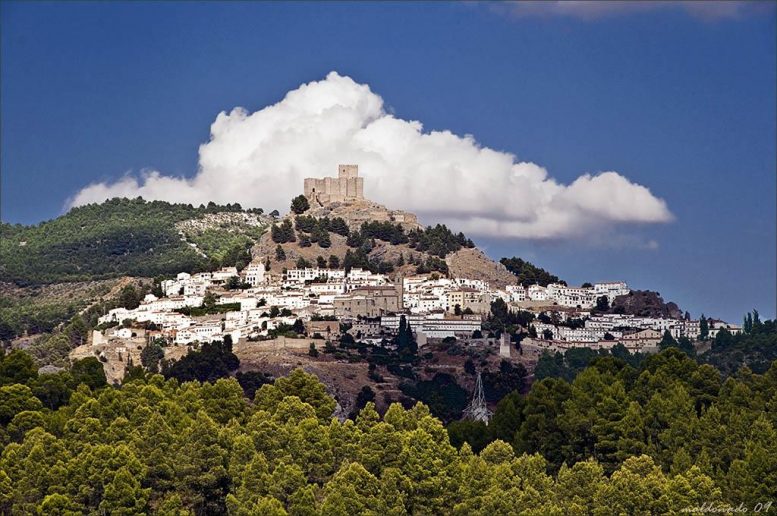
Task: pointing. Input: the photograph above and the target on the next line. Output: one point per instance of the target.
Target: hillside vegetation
(121, 237)
(40, 309)
(528, 273)
(666, 437)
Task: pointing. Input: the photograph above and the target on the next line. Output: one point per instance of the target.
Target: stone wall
(347, 186)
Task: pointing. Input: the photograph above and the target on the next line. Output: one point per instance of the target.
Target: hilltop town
(340, 268)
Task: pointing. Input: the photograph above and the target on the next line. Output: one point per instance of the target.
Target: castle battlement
(347, 186)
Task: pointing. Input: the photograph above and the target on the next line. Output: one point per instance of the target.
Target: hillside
(126, 237)
(369, 235)
(39, 309)
(644, 303)
(527, 273)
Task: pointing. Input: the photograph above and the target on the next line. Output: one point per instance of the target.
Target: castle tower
(347, 171)
(347, 186)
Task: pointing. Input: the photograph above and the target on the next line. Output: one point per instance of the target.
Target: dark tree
(365, 396)
(151, 355)
(89, 371)
(300, 204)
(280, 254)
(214, 360)
(404, 341)
(704, 328)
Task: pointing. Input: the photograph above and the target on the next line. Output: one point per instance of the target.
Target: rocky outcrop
(473, 263)
(644, 303)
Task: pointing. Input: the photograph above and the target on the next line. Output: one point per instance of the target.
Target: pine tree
(300, 204)
(704, 328)
(124, 496)
(405, 342)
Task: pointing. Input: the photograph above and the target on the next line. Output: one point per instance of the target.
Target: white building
(611, 289)
(516, 293)
(223, 274)
(254, 274)
(205, 332)
(537, 293)
(435, 325)
(312, 273)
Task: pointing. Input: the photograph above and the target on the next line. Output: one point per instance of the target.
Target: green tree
(280, 254)
(17, 367)
(151, 355)
(704, 328)
(300, 204)
(202, 477)
(15, 399)
(90, 372)
(323, 239)
(209, 300)
(124, 495)
(129, 297)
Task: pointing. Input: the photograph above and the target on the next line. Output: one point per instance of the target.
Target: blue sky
(681, 103)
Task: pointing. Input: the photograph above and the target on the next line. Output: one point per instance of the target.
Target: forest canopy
(119, 237)
(659, 439)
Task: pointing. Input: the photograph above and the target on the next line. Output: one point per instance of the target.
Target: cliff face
(467, 262)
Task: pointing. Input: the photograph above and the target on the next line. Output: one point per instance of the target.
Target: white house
(254, 274)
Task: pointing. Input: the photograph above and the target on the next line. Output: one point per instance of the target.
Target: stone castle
(343, 196)
(347, 186)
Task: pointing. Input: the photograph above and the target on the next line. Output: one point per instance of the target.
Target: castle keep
(347, 186)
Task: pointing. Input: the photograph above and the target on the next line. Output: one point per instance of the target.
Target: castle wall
(348, 171)
(347, 186)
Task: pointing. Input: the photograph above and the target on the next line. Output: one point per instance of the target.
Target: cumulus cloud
(597, 9)
(260, 160)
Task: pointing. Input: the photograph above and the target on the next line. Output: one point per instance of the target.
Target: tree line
(165, 447)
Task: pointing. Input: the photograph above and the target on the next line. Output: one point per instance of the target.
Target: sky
(601, 141)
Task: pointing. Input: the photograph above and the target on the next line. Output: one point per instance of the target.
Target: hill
(127, 237)
(644, 303)
(368, 235)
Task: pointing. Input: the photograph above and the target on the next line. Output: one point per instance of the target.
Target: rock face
(644, 303)
(473, 263)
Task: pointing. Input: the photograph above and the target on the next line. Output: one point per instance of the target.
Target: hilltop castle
(347, 186)
(343, 196)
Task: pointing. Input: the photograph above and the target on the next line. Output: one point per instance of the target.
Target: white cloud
(260, 159)
(597, 9)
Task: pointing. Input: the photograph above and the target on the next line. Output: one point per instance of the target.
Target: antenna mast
(477, 409)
